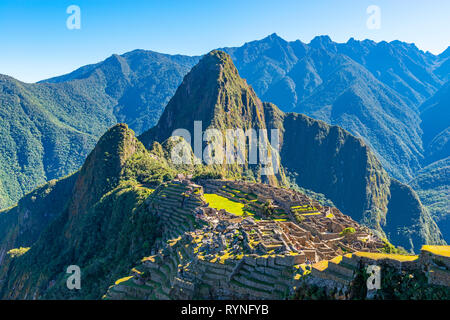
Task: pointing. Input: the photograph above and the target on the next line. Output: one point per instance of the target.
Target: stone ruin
(318, 235)
(205, 253)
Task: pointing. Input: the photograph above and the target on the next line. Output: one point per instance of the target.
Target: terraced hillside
(405, 277)
(175, 204)
(261, 254)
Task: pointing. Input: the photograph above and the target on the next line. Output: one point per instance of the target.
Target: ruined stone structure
(208, 253)
(436, 261)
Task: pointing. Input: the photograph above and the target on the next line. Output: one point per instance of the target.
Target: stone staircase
(175, 204)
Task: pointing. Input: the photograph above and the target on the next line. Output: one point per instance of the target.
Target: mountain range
(99, 217)
(49, 128)
(392, 95)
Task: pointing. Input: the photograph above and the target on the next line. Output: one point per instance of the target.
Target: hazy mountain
(371, 89)
(139, 84)
(47, 131)
(442, 67)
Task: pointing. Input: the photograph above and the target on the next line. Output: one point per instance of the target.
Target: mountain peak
(273, 36)
(102, 168)
(322, 39)
(221, 55)
(115, 141)
(216, 61)
(214, 96)
(323, 42)
(212, 90)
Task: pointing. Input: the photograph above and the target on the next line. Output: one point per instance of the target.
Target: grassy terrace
(240, 203)
(380, 256)
(219, 202)
(239, 193)
(305, 210)
(438, 250)
(122, 280)
(321, 265)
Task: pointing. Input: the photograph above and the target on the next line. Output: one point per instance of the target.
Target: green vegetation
(300, 218)
(390, 248)
(21, 225)
(402, 285)
(219, 202)
(319, 197)
(147, 170)
(105, 231)
(268, 208)
(413, 227)
(13, 253)
(52, 142)
(347, 231)
(432, 184)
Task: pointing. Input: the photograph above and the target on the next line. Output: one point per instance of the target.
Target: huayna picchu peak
(214, 93)
(141, 226)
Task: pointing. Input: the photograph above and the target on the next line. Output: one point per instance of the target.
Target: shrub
(347, 231)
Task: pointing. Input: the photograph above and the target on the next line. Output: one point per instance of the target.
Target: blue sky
(36, 44)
